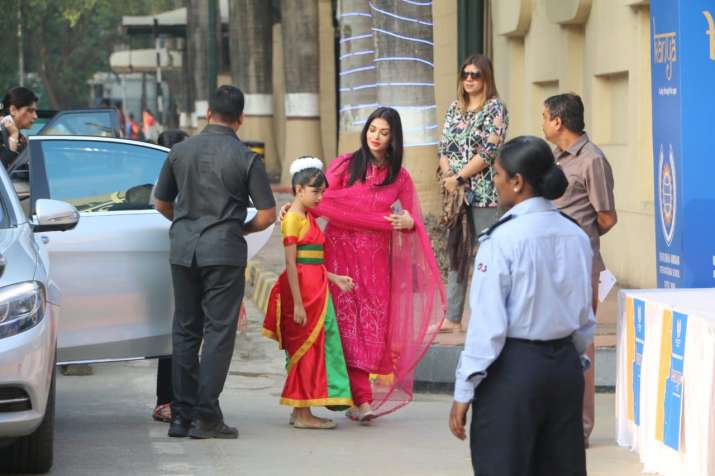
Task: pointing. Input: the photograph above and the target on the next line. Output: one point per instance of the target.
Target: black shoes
(179, 427)
(202, 430)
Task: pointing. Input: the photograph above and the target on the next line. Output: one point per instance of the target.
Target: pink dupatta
(417, 297)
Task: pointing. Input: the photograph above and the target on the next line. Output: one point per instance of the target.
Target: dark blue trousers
(526, 418)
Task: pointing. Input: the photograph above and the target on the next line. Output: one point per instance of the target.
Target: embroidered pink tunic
(390, 319)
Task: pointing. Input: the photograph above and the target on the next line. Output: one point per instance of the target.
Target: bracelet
(461, 180)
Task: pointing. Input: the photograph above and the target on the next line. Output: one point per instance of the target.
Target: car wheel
(33, 453)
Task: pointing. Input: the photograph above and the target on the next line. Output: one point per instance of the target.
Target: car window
(101, 176)
(81, 123)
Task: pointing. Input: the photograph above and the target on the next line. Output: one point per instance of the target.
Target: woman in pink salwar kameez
(376, 235)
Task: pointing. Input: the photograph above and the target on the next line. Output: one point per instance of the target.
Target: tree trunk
(301, 56)
(250, 45)
(251, 49)
(358, 73)
(198, 32)
(386, 59)
(300, 45)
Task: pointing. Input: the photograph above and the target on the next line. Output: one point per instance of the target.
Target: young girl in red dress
(300, 315)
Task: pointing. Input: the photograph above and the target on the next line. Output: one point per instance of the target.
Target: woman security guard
(520, 368)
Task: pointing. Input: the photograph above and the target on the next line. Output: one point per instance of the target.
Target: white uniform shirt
(532, 280)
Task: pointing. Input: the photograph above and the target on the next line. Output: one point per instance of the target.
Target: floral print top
(475, 132)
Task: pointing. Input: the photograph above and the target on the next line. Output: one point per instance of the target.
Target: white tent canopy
(143, 61)
(173, 20)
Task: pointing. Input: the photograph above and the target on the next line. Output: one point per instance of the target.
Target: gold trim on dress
(318, 402)
(313, 335)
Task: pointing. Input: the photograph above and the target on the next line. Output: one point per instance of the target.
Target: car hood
(18, 248)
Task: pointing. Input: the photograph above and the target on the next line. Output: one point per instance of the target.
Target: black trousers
(207, 301)
(164, 391)
(526, 417)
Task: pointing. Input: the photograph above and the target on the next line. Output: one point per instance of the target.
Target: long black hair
(531, 157)
(19, 97)
(171, 137)
(362, 157)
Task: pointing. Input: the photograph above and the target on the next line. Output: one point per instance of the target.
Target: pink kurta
(364, 255)
(391, 317)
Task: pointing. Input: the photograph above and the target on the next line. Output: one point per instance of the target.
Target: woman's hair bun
(553, 183)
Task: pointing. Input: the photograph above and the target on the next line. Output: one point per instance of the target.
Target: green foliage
(66, 42)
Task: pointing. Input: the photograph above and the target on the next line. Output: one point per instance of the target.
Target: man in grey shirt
(588, 200)
(204, 189)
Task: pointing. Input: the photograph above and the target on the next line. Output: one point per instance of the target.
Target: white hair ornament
(303, 163)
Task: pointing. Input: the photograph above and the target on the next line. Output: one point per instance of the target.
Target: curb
(261, 281)
(435, 372)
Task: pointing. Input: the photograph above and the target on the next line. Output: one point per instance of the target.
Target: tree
(67, 41)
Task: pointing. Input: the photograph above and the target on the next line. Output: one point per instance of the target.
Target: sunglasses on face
(472, 74)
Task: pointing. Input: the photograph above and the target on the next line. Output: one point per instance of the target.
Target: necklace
(378, 163)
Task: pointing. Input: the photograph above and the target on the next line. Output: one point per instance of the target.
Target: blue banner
(682, 73)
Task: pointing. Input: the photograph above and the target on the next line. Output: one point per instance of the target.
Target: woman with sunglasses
(474, 130)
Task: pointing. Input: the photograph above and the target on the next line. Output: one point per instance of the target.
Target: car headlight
(22, 307)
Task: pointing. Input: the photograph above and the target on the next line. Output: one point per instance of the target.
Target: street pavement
(104, 428)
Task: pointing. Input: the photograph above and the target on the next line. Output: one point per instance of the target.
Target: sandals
(356, 414)
(367, 416)
(162, 413)
(323, 425)
(353, 414)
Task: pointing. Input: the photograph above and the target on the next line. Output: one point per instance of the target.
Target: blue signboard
(673, 398)
(683, 74)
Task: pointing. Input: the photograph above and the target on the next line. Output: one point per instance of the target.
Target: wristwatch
(461, 180)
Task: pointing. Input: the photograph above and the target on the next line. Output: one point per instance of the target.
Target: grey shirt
(211, 177)
(589, 192)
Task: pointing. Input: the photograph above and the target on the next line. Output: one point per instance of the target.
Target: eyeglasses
(473, 74)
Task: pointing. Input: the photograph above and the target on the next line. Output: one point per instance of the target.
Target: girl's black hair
(532, 158)
(311, 177)
(362, 157)
(18, 96)
(170, 137)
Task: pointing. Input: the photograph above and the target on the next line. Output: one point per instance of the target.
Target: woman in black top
(19, 111)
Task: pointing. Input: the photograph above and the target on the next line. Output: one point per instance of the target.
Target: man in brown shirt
(588, 199)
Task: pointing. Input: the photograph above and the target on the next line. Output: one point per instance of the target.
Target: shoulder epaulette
(570, 219)
(499, 223)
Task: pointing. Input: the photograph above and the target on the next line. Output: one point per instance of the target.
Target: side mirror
(54, 215)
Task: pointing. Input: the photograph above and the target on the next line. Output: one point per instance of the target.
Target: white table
(665, 397)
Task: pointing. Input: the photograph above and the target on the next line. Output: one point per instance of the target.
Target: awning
(143, 61)
(172, 22)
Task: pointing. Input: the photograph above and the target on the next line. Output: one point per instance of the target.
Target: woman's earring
(516, 190)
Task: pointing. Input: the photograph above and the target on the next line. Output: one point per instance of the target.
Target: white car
(112, 269)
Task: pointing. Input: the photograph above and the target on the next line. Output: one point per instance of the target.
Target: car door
(113, 269)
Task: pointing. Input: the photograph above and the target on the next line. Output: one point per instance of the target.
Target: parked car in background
(102, 122)
(43, 117)
(113, 268)
(29, 317)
